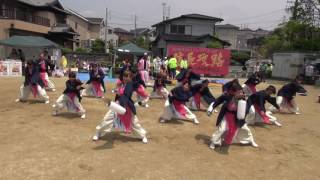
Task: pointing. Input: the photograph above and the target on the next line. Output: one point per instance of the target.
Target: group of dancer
(242, 105)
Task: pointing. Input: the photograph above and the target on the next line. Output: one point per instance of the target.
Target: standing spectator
(256, 68)
(184, 63)
(309, 74)
(144, 67)
(14, 54)
(172, 66)
(263, 70)
(157, 63)
(22, 57)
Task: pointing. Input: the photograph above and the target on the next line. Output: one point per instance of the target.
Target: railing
(23, 16)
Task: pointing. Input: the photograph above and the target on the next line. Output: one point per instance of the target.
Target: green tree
(240, 56)
(98, 46)
(215, 45)
(81, 50)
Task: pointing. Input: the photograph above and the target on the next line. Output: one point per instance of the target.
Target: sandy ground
(34, 145)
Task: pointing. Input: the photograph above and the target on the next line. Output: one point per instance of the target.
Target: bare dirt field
(35, 145)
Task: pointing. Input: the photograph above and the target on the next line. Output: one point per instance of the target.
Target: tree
(240, 56)
(143, 42)
(215, 45)
(98, 46)
(81, 50)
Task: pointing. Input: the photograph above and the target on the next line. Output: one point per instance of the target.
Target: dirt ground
(35, 145)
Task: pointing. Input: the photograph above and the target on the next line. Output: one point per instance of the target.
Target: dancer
(175, 107)
(159, 88)
(187, 76)
(249, 87)
(142, 94)
(226, 87)
(70, 98)
(94, 85)
(256, 111)
(231, 129)
(44, 66)
(124, 122)
(286, 97)
(32, 83)
(202, 95)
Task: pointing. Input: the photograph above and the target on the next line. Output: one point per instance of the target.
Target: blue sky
(243, 13)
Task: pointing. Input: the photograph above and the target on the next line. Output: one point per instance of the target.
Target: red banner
(203, 60)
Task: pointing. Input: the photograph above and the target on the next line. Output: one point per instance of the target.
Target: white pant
(89, 91)
(65, 101)
(51, 85)
(170, 113)
(285, 105)
(26, 90)
(145, 76)
(254, 117)
(247, 91)
(160, 93)
(106, 126)
(243, 134)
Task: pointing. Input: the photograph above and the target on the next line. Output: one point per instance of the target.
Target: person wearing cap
(144, 68)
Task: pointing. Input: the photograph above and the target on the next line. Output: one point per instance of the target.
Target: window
(109, 31)
(180, 29)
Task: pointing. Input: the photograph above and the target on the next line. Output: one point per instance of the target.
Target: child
(71, 97)
(201, 95)
(249, 87)
(44, 65)
(256, 111)
(230, 128)
(175, 106)
(127, 122)
(33, 83)
(285, 97)
(95, 82)
(159, 87)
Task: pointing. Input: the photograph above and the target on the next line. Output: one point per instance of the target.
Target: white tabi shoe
(54, 105)
(277, 124)
(147, 105)
(83, 116)
(212, 146)
(195, 120)
(254, 144)
(96, 137)
(46, 102)
(145, 140)
(17, 100)
(162, 120)
(297, 113)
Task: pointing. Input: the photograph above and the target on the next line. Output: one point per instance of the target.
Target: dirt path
(34, 145)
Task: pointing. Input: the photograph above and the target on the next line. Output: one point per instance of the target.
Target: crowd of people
(242, 105)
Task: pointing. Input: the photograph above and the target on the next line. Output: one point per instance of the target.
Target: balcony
(24, 16)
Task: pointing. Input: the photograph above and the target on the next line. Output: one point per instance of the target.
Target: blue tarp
(84, 77)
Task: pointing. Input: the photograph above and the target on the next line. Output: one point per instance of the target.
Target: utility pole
(135, 27)
(106, 32)
(164, 9)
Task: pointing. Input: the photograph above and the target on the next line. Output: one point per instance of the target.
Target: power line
(260, 15)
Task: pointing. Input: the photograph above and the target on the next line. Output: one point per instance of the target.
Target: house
(124, 35)
(145, 33)
(46, 18)
(111, 37)
(189, 30)
(87, 29)
(229, 33)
